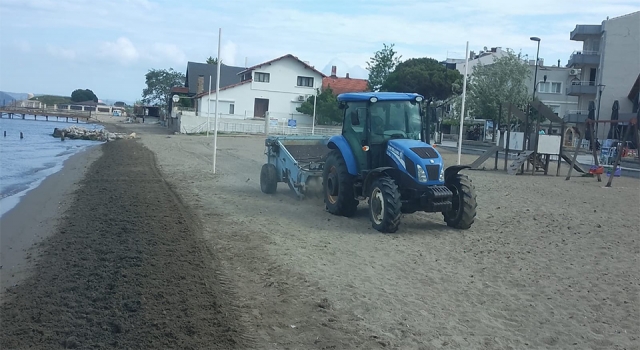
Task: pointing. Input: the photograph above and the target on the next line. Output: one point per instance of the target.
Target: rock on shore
(78, 133)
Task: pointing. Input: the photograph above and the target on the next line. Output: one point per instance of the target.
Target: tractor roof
(382, 96)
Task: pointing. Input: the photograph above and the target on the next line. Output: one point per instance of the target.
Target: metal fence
(255, 128)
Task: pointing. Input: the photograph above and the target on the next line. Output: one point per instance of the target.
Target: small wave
(64, 153)
(13, 189)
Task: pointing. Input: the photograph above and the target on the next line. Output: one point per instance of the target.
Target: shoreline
(35, 217)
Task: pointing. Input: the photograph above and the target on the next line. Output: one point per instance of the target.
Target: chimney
(558, 63)
(471, 55)
(333, 71)
(347, 75)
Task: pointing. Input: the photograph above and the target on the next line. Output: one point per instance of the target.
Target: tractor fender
(340, 143)
(374, 174)
(452, 171)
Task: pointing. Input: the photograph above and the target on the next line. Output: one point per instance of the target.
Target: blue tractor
(382, 156)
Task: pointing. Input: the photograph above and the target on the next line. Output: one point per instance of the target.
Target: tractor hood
(411, 154)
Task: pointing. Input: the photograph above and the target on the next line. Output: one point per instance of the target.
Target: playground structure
(538, 148)
(535, 151)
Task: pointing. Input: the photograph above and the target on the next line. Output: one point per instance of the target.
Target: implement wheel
(338, 186)
(269, 178)
(463, 208)
(385, 207)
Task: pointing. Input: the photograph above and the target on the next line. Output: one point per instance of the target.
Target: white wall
(620, 64)
(281, 91)
(485, 60)
(551, 98)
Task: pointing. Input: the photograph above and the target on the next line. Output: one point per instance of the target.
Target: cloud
(228, 53)
(23, 45)
(59, 52)
(141, 34)
(122, 51)
(161, 52)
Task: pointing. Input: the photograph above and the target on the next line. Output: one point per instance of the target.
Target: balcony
(576, 116)
(583, 58)
(578, 88)
(583, 31)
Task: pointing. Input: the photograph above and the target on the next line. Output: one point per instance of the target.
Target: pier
(67, 115)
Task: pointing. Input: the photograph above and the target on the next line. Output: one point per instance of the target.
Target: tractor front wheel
(385, 207)
(268, 178)
(338, 186)
(463, 208)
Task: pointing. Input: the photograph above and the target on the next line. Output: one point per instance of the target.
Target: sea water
(25, 163)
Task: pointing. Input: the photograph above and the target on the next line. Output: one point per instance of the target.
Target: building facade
(606, 68)
(552, 91)
(275, 88)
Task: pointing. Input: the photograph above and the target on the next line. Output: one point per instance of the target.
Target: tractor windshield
(395, 119)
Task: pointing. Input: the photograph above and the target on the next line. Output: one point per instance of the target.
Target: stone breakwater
(78, 133)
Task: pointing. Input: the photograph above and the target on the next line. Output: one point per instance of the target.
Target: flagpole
(215, 132)
(464, 96)
(209, 107)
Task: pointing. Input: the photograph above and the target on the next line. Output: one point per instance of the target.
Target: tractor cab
(372, 119)
(382, 156)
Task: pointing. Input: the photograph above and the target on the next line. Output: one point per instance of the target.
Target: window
(261, 77)
(305, 81)
(550, 87)
(232, 108)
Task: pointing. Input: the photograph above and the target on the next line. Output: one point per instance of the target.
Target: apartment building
(607, 69)
(552, 81)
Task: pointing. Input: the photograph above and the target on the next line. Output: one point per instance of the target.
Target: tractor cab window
(395, 119)
(354, 130)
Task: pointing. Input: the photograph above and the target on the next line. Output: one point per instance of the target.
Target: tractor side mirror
(342, 105)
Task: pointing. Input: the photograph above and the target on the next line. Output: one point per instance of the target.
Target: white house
(274, 88)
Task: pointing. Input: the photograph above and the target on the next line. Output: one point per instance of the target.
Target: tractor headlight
(441, 178)
(422, 176)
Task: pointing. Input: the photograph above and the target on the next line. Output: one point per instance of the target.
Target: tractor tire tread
(465, 219)
(268, 178)
(347, 204)
(392, 205)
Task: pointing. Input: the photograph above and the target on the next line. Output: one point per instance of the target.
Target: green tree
(381, 65)
(327, 111)
(501, 82)
(425, 76)
(81, 95)
(212, 60)
(159, 83)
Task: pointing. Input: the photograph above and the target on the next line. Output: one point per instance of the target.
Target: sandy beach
(155, 251)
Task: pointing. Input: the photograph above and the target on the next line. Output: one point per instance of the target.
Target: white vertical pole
(215, 132)
(313, 120)
(464, 96)
(209, 107)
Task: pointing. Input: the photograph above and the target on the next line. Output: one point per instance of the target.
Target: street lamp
(535, 86)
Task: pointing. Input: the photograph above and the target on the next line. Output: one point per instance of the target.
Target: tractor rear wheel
(338, 186)
(463, 208)
(268, 178)
(385, 207)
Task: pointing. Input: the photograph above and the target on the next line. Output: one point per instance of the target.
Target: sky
(57, 46)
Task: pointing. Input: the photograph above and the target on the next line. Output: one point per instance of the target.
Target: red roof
(342, 85)
(222, 88)
(280, 58)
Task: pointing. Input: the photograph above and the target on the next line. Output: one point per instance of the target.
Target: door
(354, 131)
(592, 76)
(260, 107)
